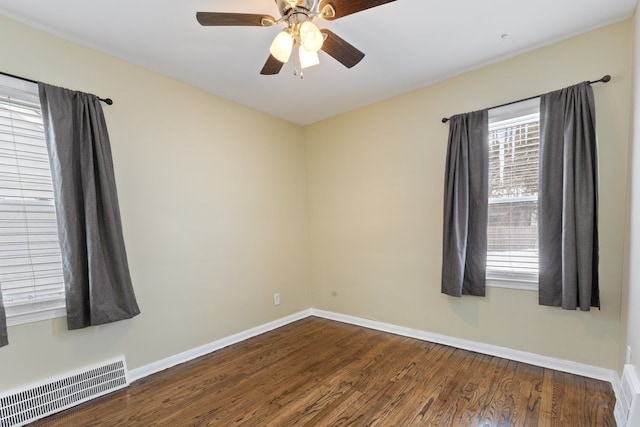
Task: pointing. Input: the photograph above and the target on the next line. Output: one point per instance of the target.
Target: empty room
(319, 213)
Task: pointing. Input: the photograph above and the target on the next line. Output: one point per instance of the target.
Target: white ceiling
(408, 43)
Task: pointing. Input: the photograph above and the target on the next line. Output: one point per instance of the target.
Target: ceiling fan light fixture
(307, 59)
(311, 37)
(282, 46)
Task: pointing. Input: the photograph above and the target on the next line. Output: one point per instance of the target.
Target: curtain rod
(107, 101)
(605, 79)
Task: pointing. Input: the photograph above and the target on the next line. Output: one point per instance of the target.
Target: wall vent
(630, 391)
(18, 408)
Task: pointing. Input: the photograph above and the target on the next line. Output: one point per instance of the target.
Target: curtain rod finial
(445, 119)
(606, 78)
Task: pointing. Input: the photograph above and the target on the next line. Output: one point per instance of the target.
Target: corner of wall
(629, 332)
(626, 267)
(305, 130)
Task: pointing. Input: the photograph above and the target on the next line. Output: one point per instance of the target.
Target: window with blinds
(512, 252)
(30, 264)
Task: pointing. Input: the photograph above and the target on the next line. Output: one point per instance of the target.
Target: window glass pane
(513, 196)
(30, 263)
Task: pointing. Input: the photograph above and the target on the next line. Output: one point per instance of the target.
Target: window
(512, 252)
(30, 264)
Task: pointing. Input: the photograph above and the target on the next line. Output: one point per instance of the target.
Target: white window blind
(30, 264)
(512, 252)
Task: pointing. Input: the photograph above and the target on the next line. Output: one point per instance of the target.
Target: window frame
(22, 313)
(518, 281)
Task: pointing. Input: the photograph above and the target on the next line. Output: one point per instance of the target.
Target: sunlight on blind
(30, 264)
(512, 251)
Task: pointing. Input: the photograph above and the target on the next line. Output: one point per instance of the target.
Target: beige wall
(631, 295)
(213, 204)
(375, 183)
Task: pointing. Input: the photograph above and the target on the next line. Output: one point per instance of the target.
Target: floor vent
(54, 395)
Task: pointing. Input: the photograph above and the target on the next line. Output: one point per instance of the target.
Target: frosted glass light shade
(282, 46)
(311, 37)
(308, 59)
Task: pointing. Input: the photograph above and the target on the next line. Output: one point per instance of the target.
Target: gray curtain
(94, 261)
(568, 223)
(3, 324)
(466, 205)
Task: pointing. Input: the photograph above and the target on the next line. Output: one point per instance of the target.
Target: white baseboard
(477, 347)
(152, 368)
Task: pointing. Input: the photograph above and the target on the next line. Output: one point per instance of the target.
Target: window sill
(20, 315)
(523, 285)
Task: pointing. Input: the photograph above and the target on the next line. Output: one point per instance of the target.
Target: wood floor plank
(375, 378)
(429, 388)
(558, 399)
(317, 372)
(490, 414)
(456, 395)
(332, 414)
(486, 389)
(317, 397)
(546, 398)
(472, 393)
(412, 407)
(574, 407)
(531, 394)
(414, 385)
(600, 404)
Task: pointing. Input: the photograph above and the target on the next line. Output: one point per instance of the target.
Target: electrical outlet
(628, 355)
(276, 299)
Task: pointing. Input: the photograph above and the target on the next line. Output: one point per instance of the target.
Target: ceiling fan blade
(222, 19)
(272, 66)
(341, 50)
(347, 7)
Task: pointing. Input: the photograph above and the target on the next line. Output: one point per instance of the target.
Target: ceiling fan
(298, 15)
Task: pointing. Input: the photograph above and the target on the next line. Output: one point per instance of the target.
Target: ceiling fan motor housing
(308, 5)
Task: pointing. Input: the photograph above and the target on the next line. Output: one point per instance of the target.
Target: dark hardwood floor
(317, 372)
